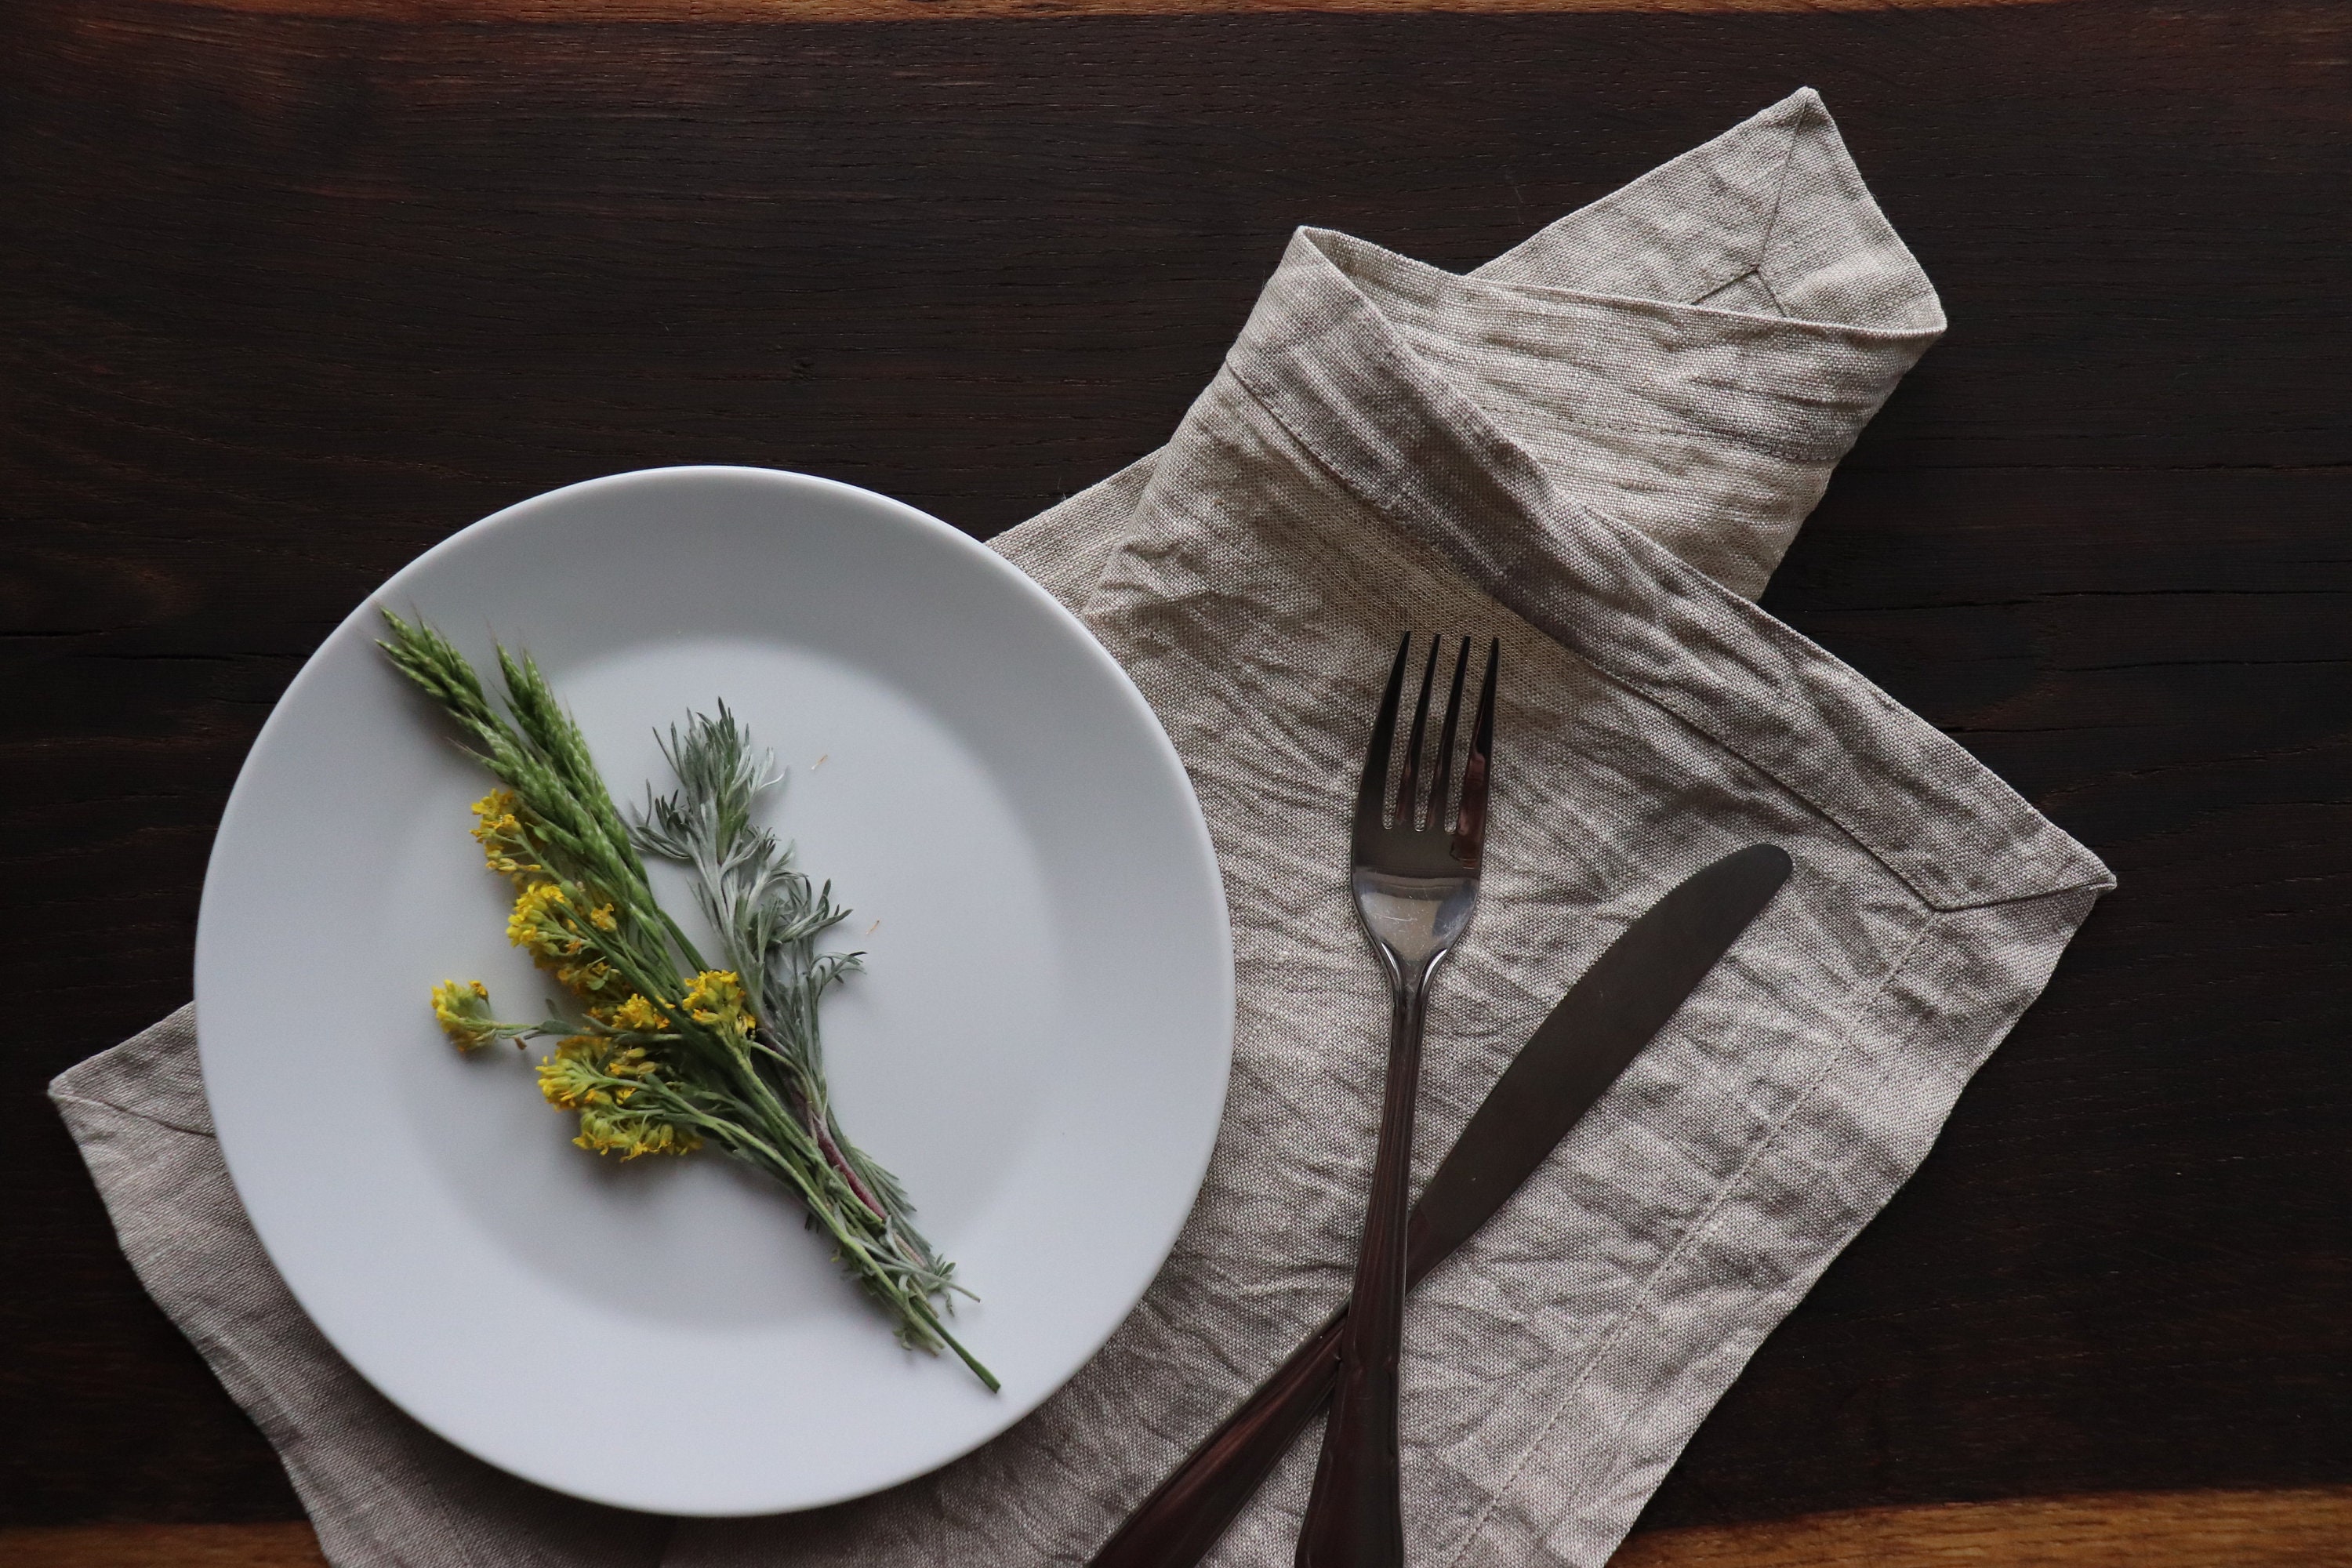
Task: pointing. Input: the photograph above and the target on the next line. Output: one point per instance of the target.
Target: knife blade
(1617, 1007)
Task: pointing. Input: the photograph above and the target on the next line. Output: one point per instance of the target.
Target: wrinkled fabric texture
(380, 1489)
(1595, 448)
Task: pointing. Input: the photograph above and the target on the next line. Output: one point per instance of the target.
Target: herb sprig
(670, 1052)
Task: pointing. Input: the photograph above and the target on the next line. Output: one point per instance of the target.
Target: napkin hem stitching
(1690, 1237)
(61, 1098)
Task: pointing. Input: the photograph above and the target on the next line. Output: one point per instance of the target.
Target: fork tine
(1407, 818)
(1470, 835)
(1444, 775)
(1369, 794)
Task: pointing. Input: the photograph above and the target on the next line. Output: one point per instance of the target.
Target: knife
(1603, 1022)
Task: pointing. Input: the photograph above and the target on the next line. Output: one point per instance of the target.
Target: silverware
(1414, 872)
(1607, 1017)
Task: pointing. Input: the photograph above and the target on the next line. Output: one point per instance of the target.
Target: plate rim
(1201, 857)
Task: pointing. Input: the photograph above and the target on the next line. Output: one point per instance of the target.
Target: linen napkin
(1595, 448)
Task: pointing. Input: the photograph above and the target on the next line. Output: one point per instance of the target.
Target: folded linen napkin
(1596, 447)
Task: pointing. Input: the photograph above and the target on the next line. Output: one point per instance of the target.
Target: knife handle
(1177, 1525)
(1179, 1522)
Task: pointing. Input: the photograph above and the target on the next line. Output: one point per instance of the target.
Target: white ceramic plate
(1038, 1046)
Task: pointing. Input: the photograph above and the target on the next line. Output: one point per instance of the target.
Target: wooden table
(291, 288)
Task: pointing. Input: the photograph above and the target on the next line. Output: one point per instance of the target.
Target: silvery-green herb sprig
(670, 1052)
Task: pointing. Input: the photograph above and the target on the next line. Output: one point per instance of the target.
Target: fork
(1414, 873)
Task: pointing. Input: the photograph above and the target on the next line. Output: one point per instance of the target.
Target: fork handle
(1354, 1517)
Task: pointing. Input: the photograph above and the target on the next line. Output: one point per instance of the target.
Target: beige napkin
(1596, 447)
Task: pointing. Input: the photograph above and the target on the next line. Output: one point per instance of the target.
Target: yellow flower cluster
(587, 1076)
(463, 1008)
(539, 925)
(545, 922)
(634, 1015)
(547, 925)
(627, 1134)
(573, 1078)
(594, 1075)
(500, 833)
(717, 1000)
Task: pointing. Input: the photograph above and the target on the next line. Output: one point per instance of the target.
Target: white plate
(1039, 1046)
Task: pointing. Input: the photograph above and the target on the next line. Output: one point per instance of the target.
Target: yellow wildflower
(571, 1078)
(630, 1135)
(601, 918)
(500, 833)
(631, 1065)
(462, 1007)
(591, 979)
(635, 1015)
(547, 925)
(717, 1000)
(582, 1077)
(539, 924)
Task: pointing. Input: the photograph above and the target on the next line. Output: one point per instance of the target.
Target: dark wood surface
(2306, 1526)
(284, 298)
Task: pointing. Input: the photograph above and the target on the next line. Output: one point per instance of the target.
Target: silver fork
(1414, 872)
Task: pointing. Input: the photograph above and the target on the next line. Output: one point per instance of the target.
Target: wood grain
(163, 1546)
(2311, 1528)
(791, 12)
(2306, 1529)
(284, 299)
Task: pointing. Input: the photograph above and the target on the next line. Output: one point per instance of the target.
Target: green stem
(931, 1320)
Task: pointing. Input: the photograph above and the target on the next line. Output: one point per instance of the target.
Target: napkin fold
(1596, 447)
